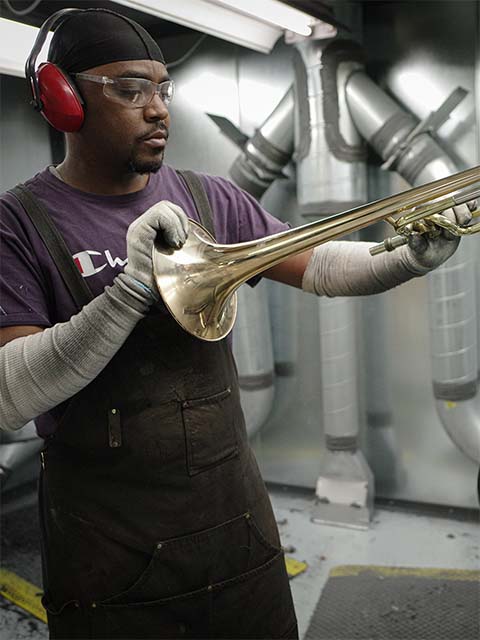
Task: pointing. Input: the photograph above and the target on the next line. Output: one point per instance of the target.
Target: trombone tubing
(286, 243)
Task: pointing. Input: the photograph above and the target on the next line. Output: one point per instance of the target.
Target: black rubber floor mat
(390, 603)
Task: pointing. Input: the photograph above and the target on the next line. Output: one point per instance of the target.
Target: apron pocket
(209, 425)
(256, 604)
(66, 621)
(191, 579)
(184, 617)
(187, 564)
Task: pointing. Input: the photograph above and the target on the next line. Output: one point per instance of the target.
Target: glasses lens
(134, 92)
(166, 90)
(137, 92)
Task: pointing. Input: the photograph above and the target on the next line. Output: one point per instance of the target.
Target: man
(155, 520)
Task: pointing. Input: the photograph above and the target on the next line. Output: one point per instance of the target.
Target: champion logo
(88, 262)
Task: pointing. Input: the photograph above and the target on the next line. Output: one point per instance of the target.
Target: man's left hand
(432, 252)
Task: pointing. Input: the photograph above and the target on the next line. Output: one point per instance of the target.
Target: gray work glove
(164, 217)
(430, 253)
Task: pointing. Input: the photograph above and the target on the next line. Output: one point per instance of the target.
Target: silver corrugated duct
(453, 323)
(452, 294)
(331, 176)
(339, 372)
(253, 351)
(458, 418)
(268, 151)
(330, 154)
(261, 162)
(283, 301)
(381, 436)
(377, 116)
(18, 455)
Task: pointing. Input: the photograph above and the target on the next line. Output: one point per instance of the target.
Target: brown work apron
(155, 520)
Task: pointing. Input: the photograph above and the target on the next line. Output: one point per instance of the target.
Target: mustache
(161, 130)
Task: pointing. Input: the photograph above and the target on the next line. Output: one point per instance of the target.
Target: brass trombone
(198, 282)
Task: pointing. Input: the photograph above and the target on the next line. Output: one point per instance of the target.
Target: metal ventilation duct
(452, 293)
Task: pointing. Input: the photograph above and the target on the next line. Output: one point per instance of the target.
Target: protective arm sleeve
(342, 268)
(39, 371)
(347, 268)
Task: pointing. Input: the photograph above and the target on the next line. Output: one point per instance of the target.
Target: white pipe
(253, 352)
(331, 172)
(339, 368)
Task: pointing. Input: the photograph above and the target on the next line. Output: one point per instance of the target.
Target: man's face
(124, 135)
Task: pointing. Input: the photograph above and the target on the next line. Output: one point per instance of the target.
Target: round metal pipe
(452, 293)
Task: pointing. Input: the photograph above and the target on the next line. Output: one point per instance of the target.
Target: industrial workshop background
(321, 125)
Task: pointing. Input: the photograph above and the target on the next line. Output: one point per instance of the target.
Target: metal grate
(381, 603)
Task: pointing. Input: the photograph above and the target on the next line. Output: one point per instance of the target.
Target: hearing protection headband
(30, 69)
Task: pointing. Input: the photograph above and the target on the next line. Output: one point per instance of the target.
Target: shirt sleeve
(23, 288)
(238, 216)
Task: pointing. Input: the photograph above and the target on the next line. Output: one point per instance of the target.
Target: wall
(24, 136)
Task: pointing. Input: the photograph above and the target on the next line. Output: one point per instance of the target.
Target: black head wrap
(94, 37)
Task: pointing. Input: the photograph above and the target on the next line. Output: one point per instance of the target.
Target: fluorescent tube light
(256, 24)
(17, 41)
(272, 12)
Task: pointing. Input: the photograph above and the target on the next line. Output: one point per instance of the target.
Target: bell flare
(194, 286)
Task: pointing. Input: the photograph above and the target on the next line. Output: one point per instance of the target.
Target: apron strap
(200, 198)
(58, 250)
(53, 240)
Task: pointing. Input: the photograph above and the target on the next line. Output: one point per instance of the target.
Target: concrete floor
(395, 539)
(20, 553)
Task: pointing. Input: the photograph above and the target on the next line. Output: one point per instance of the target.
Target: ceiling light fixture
(17, 41)
(256, 24)
(272, 12)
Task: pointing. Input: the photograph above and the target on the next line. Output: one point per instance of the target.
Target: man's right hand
(165, 218)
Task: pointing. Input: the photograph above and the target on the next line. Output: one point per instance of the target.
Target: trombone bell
(187, 280)
(198, 281)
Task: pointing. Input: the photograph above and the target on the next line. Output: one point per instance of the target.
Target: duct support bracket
(430, 125)
(345, 490)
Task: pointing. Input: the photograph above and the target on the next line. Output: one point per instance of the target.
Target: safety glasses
(132, 92)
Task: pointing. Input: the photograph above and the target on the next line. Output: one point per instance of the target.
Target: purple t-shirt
(94, 228)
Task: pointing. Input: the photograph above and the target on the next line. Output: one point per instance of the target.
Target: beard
(137, 165)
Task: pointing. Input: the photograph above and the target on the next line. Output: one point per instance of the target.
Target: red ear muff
(53, 94)
(61, 103)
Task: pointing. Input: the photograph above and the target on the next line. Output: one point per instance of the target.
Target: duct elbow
(267, 152)
(461, 420)
(377, 117)
(391, 131)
